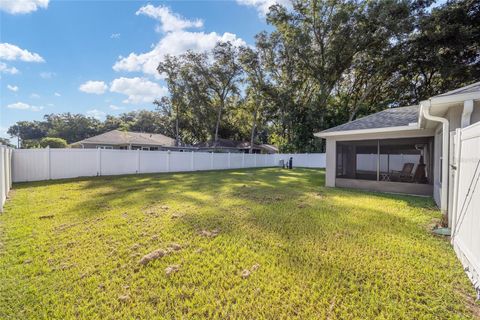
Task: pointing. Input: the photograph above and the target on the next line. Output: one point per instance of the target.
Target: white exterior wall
(331, 162)
(45, 164)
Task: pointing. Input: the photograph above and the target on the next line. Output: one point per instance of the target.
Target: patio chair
(405, 175)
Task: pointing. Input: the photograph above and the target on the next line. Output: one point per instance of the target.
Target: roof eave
(454, 98)
(411, 127)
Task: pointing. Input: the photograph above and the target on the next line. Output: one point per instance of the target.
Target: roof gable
(117, 137)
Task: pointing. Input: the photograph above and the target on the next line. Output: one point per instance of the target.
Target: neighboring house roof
(117, 137)
(224, 143)
(269, 148)
(394, 117)
(232, 144)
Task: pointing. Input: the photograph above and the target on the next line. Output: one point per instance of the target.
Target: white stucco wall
(330, 162)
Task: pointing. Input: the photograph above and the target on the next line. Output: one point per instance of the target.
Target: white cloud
(57, 94)
(4, 68)
(19, 106)
(174, 43)
(47, 75)
(169, 21)
(35, 95)
(138, 90)
(114, 107)
(97, 114)
(263, 6)
(11, 52)
(12, 88)
(22, 6)
(95, 87)
(115, 36)
(24, 106)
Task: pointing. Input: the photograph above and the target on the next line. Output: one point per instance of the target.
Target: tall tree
(221, 77)
(325, 39)
(442, 54)
(171, 69)
(256, 81)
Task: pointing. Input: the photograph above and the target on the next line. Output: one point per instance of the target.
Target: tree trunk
(254, 125)
(177, 134)
(217, 125)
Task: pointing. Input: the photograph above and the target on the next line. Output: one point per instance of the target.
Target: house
(401, 150)
(226, 145)
(127, 140)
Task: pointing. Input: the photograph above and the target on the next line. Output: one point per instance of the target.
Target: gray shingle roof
(117, 137)
(475, 87)
(393, 117)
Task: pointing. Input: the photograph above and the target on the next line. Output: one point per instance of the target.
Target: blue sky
(99, 57)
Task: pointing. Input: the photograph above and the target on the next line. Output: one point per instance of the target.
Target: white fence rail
(5, 173)
(45, 164)
(465, 200)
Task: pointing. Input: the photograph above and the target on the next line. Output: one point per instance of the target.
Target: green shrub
(53, 142)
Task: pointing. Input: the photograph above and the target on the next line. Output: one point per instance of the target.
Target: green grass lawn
(246, 244)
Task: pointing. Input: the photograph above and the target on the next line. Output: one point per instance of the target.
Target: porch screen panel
(405, 160)
(357, 159)
(391, 160)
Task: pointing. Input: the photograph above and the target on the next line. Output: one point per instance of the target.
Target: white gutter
(425, 107)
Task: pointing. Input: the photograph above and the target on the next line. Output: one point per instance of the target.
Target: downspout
(425, 107)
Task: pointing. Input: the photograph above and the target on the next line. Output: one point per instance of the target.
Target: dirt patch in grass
(209, 234)
(174, 247)
(154, 255)
(47, 216)
(172, 269)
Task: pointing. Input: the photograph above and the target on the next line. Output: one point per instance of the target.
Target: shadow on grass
(261, 186)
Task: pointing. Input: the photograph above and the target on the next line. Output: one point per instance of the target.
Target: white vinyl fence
(5, 173)
(46, 164)
(465, 200)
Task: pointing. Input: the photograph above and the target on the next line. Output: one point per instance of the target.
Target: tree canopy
(323, 63)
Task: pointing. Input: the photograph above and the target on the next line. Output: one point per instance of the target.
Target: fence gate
(466, 200)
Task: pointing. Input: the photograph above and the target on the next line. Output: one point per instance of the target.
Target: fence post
(138, 161)
(10, 172)
(243, 160)
(229, 163)
(192, 161)
(99, 162)
(211, 160)
(457, 162)
(49, 166)
(168, 161)
(255, 159)
(2, 175)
